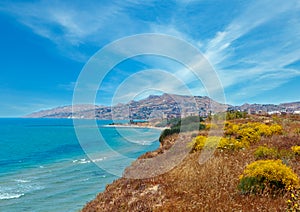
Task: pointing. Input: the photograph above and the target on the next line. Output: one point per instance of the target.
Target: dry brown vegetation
(211, 186)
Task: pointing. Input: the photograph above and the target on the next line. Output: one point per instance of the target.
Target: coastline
(191, 186)
(134, 126)
(122, 184)
(134, 194)
(59, 166)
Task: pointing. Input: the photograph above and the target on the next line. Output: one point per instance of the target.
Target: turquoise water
(43, 166)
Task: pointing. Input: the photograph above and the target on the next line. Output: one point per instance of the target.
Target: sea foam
(6, 196)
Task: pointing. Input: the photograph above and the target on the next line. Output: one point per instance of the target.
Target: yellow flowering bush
(251, 132)
(271, 174)
(263, 152)
(249, 135)
(211, 126)
(237, 136)
(263, 129)
(276, 129)
(293, 203)
(197, 143)
(242, 132)
(232, 144)
(231, 129)
(200, 141)
(296, 150)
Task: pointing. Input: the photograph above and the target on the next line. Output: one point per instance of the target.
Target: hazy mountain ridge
(160, 106)
(63, 111)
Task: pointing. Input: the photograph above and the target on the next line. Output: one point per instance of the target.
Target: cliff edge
(191, 186)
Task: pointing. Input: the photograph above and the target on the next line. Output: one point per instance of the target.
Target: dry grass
(190, 186)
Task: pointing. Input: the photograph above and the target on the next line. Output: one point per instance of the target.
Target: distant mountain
(160, 106)
(293, 107)
(65, 112)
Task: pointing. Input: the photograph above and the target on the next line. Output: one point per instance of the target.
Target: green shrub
(187, 124)
(267, 174)
(297, 131)
(263, 152)
(163, 123)
(168, 132)
(235, 115)
(285, 154)
(191, 127)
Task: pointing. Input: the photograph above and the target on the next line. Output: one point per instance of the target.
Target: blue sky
(254, 46)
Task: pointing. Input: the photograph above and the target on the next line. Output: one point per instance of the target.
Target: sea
(50, 165)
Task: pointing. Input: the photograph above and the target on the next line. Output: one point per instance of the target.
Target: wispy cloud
(67, 87)
(149, 80)
(219, 48)
(266, 54)
(72, 24)
(58, 20)
(251, 46)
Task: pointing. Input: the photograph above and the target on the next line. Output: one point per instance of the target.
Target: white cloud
(268, 60)
(149, 80)
(70, 21)
(96, 23)
(70, 25)
(68, 86)
(218, 48)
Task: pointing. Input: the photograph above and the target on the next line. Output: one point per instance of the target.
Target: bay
(45, 167)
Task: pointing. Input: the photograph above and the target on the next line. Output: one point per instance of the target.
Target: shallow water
(44, 168)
